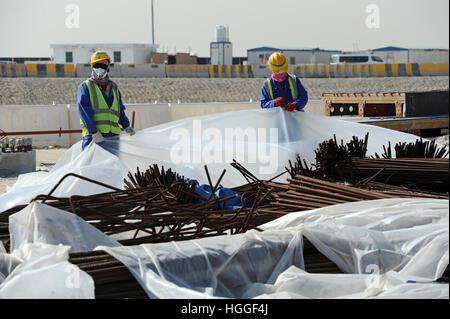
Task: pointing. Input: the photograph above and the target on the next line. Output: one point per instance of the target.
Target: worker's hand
(279, 102)
(130, 130)
(290, 107)
(98, 137)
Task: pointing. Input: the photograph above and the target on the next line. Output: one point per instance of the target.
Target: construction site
(190, 181)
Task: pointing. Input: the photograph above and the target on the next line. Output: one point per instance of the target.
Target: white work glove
(98, 137)
(130, 130)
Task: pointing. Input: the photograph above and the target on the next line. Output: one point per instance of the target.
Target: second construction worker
(100, 104)
(282, 89)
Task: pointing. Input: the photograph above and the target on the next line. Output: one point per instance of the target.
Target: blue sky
(28, 27)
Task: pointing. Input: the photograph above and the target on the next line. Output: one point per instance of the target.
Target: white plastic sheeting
(94, 162)
(391, 243)
(40, 223)
(295, 283)
(404, 240)
(262, 140)
(41, 271)
(410, 236)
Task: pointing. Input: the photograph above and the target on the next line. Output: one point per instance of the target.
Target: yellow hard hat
(278, 63)
(99, 56)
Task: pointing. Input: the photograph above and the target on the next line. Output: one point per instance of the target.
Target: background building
(222, 49)
(403, 55)
(128, 53)
(295, 56)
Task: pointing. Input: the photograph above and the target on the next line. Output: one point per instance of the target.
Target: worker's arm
(266, 102)
(123, 120)
(302, 98)
(85, 109)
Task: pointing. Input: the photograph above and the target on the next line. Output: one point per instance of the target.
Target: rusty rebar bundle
(157, 213)
(419, 149)
(431, 173)
(427, 171)
(112, 279)
(330, 156)
(305, 193)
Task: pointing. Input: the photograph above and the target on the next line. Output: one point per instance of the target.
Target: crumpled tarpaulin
(389, 248)
(42, 271)
(40, 223)
(213, 140)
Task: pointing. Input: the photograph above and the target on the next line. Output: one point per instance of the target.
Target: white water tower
(222, 49)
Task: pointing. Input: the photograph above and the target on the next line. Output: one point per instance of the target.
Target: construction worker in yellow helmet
(100, 105)
(282, 89)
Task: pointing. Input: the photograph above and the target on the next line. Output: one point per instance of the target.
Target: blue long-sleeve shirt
(85, 109)
(283, 90)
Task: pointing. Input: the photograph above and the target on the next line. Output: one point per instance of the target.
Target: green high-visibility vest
(106, 119)
(292, 79)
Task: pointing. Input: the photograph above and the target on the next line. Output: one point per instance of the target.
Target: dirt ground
(36, 91)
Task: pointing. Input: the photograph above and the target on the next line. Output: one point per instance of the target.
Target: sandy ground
(34, 91)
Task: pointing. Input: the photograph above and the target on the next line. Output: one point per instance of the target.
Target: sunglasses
(100, 66)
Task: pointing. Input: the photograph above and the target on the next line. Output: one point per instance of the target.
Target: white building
(402, 55)
(221, 51)
(127, 53)
(258, 56)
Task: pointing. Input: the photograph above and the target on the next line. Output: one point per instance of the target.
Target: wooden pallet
(364, 104)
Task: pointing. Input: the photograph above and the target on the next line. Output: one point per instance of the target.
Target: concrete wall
(17, 118)
(180, 111)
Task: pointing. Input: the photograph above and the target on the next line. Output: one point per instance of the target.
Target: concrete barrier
(311, 71)
(434, 69)
(362, 70)
(225, 71)
(115, 71)
(12, 70)
(50, 70)
(143, 70)
(230, 71)
(147, 115)
(17, 163)
(83, 70)
(20, 118)
(187, 71)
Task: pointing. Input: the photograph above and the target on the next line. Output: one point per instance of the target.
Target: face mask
(280, 77)
(100, 73)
